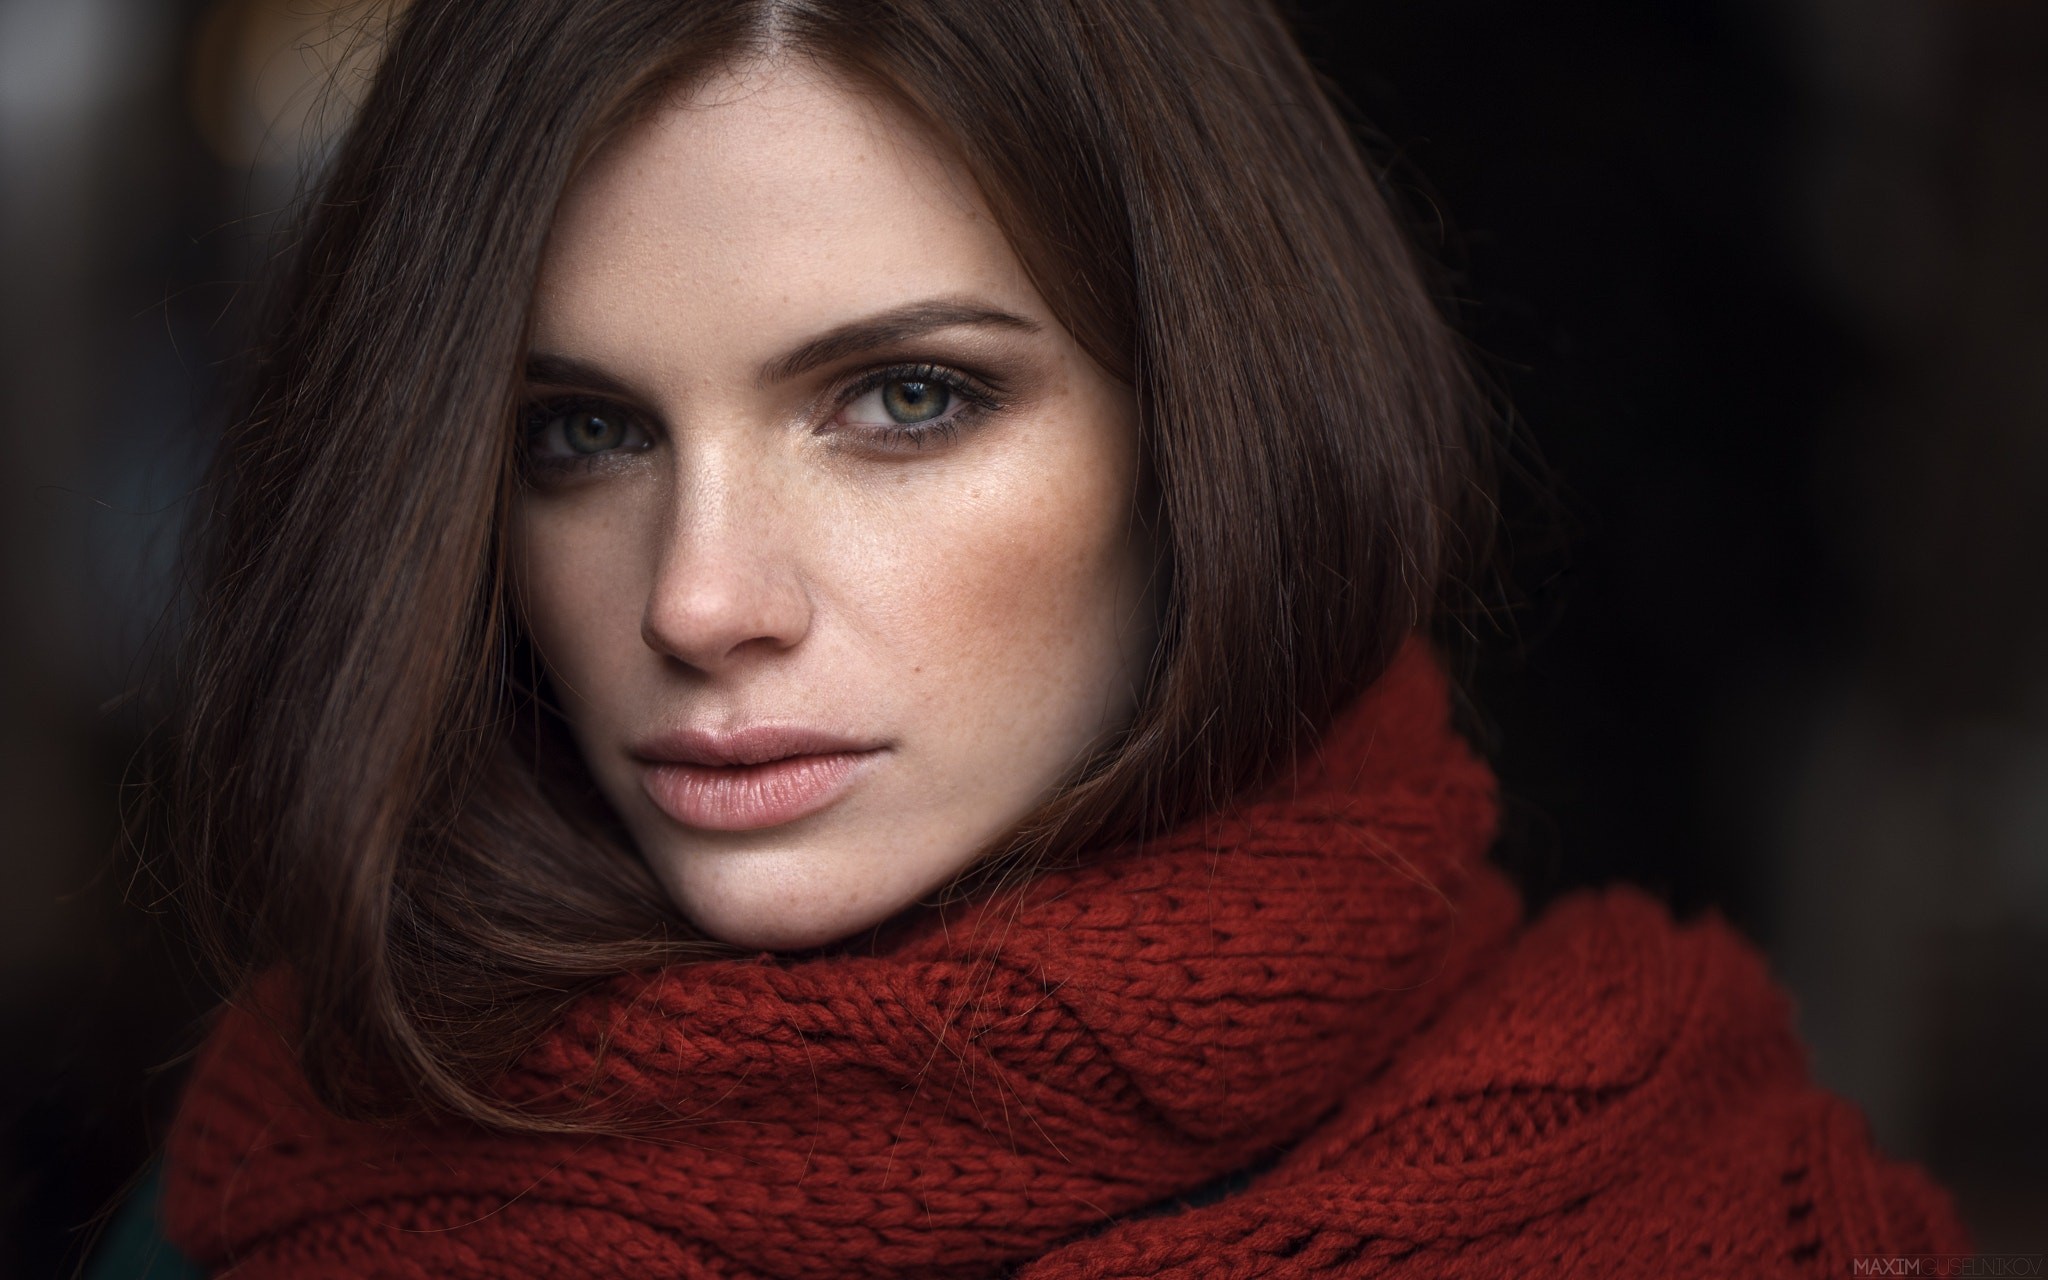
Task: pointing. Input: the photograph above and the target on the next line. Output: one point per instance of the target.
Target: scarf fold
(1326, 983)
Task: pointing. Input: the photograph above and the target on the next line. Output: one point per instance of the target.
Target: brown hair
(362, 785)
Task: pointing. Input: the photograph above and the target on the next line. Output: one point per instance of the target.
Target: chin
(788, 929)
(760, 903)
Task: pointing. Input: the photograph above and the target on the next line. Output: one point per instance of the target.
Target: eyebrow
(550, 370)
(884, 328)
(898, 324)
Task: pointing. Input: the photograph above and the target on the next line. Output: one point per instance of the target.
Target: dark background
(1766, 282)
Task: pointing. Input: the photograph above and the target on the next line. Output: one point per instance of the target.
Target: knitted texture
(1327, 983)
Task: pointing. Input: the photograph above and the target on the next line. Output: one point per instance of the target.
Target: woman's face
(830, 543)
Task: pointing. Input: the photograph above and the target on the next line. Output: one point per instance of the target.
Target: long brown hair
(362, 785)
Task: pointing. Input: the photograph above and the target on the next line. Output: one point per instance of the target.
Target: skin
(754, 551)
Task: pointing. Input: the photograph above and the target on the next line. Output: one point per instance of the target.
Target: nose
(727, 586)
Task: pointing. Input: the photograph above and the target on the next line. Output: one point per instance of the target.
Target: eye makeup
(592, 426)
(915, 405)
(564, 436)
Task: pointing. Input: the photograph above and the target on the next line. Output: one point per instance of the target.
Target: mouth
(751, 779)
(750, 797)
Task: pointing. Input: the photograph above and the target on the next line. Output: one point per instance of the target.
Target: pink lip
(754, 778)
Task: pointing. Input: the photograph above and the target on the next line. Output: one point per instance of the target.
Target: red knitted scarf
(1309, 1035)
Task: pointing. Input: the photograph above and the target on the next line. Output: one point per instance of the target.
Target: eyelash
(540, 414)
(977, 398)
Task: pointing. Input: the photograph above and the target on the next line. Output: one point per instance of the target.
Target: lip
(754, 778)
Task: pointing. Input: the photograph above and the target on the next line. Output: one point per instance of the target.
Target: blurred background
(1766, 281)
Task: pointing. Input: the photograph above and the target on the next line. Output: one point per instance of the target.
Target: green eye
(589, 431)
(574, 436)
(909, 406)
(913, 400)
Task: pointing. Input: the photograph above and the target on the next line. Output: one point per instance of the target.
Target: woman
(812, 664)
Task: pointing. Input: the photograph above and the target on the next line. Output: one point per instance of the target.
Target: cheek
(1010, 594)
(581, 583)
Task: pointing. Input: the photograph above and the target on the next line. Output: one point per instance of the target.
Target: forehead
(773, 198)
